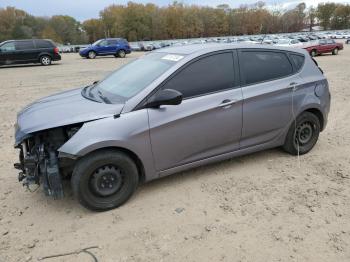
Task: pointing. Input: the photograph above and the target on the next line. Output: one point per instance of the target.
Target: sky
(85, 9)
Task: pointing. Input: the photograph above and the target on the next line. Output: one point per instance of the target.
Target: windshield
(135, 76)
(98, 41)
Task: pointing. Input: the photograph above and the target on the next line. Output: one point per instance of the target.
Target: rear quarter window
(123, 41)
(43, 44)
(298, 61)
(262, 66)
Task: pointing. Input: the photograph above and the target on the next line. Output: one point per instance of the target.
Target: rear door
(267, 85)
(208, 122)
(112, 46)
(323, 47)
(25, 51)
(330, 45)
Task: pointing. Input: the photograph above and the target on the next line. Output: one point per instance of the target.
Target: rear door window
(112, 42)
(43, 44)
(261, 66)
(24, 45)
(209, 74)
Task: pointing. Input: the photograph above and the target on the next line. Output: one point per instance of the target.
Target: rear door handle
(293, 86)
(227, 102)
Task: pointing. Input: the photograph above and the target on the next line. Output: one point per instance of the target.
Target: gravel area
(261, 207)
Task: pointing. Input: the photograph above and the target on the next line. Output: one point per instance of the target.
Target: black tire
(335, 51)
(89, 176)
(313, 53)
(91, 55)
(121, 53)
(298, 142)
(45, 60)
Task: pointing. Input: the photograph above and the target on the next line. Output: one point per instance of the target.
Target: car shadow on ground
(71, 205)
(26, 65)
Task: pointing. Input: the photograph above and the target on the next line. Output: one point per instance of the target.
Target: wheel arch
(128, 152)
(45, 54)
(317, 112)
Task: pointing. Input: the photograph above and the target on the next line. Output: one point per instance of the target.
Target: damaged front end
(39, 160)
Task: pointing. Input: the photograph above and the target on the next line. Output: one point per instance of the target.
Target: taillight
(55, 50)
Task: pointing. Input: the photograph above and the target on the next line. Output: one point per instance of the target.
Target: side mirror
(165, 97)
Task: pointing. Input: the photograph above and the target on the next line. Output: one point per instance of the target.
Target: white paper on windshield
(174, 58)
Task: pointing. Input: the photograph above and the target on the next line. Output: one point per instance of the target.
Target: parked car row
(290, 39)
(45, 51)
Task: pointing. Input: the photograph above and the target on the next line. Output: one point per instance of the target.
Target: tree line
(136, 21)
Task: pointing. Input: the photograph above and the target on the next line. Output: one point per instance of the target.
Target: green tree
(325, 13)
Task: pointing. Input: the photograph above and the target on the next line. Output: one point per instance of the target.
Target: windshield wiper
(86, 92)
(104, 99)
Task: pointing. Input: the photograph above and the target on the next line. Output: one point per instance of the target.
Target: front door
(102, 47)
(8, 53)
(209, 120)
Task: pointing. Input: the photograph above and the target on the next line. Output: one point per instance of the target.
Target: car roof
(19, 40)
(212, 47)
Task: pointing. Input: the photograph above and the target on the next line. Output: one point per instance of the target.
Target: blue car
(118, 47)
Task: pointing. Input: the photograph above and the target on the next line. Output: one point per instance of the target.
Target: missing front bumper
(39, 166)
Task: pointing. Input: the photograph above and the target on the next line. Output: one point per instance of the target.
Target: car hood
(61, 109)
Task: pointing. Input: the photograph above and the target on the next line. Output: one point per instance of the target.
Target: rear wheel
(313, 53)
(45, 60)
(335, 51)
(121, 54)
(303, 134)
(92, 55)
(104, 180)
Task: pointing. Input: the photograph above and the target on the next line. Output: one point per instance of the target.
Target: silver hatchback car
(168, 111)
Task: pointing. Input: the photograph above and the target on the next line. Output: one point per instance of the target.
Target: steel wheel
(106, 181)
(303, 133)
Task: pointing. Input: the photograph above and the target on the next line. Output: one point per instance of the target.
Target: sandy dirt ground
(261, 207)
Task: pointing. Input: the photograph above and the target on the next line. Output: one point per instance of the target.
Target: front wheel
(303, 134)
(335, 51)
(313, 53)
(45, 60)
(92, 55)
(104, 180)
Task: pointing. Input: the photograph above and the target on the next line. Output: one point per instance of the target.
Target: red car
(323, 46)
